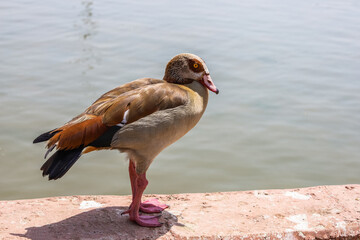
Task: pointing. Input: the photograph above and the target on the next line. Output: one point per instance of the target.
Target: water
(287, 116)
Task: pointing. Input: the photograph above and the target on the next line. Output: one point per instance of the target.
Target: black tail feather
(60, 162)
(45, 136)
(105, 139)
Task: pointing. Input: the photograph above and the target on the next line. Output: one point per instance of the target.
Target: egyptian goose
(140, 118)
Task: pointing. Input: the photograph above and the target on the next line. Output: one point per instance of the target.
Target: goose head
(186, 68)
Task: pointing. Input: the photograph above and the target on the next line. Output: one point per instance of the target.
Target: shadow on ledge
(100, 223)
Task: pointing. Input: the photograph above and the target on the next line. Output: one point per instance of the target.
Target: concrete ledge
(324, 212)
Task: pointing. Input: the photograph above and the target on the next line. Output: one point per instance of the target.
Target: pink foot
(147, 221)
(152, 206)
(150, 216)
(149, 206)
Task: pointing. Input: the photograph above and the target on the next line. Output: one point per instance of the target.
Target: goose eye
(196, 65)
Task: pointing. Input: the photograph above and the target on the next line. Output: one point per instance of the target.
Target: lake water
(287, 116)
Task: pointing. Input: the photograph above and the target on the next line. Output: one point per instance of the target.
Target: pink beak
(207, 82)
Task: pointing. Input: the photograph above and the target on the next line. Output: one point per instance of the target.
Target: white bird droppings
(297, 195)
(341, 226)
(90, 204)
(301, 222)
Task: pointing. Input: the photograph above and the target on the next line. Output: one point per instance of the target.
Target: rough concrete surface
(323, 212)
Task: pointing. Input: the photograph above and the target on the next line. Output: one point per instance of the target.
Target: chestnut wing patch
(72, 136)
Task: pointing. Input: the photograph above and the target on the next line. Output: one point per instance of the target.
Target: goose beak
(207, 82)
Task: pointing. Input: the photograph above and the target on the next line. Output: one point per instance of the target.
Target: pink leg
(132, 175)
(149, 206)
(145, 221)
(138, 185)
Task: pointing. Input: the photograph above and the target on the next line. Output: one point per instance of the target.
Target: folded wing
(122, 105)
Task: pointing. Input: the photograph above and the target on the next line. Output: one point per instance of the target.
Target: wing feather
(139, 98)
(100, 106)
(143, 102)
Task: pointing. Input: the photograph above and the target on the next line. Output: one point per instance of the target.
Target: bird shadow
(100, 223)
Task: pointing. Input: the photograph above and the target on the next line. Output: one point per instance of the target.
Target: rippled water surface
(288, 114)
